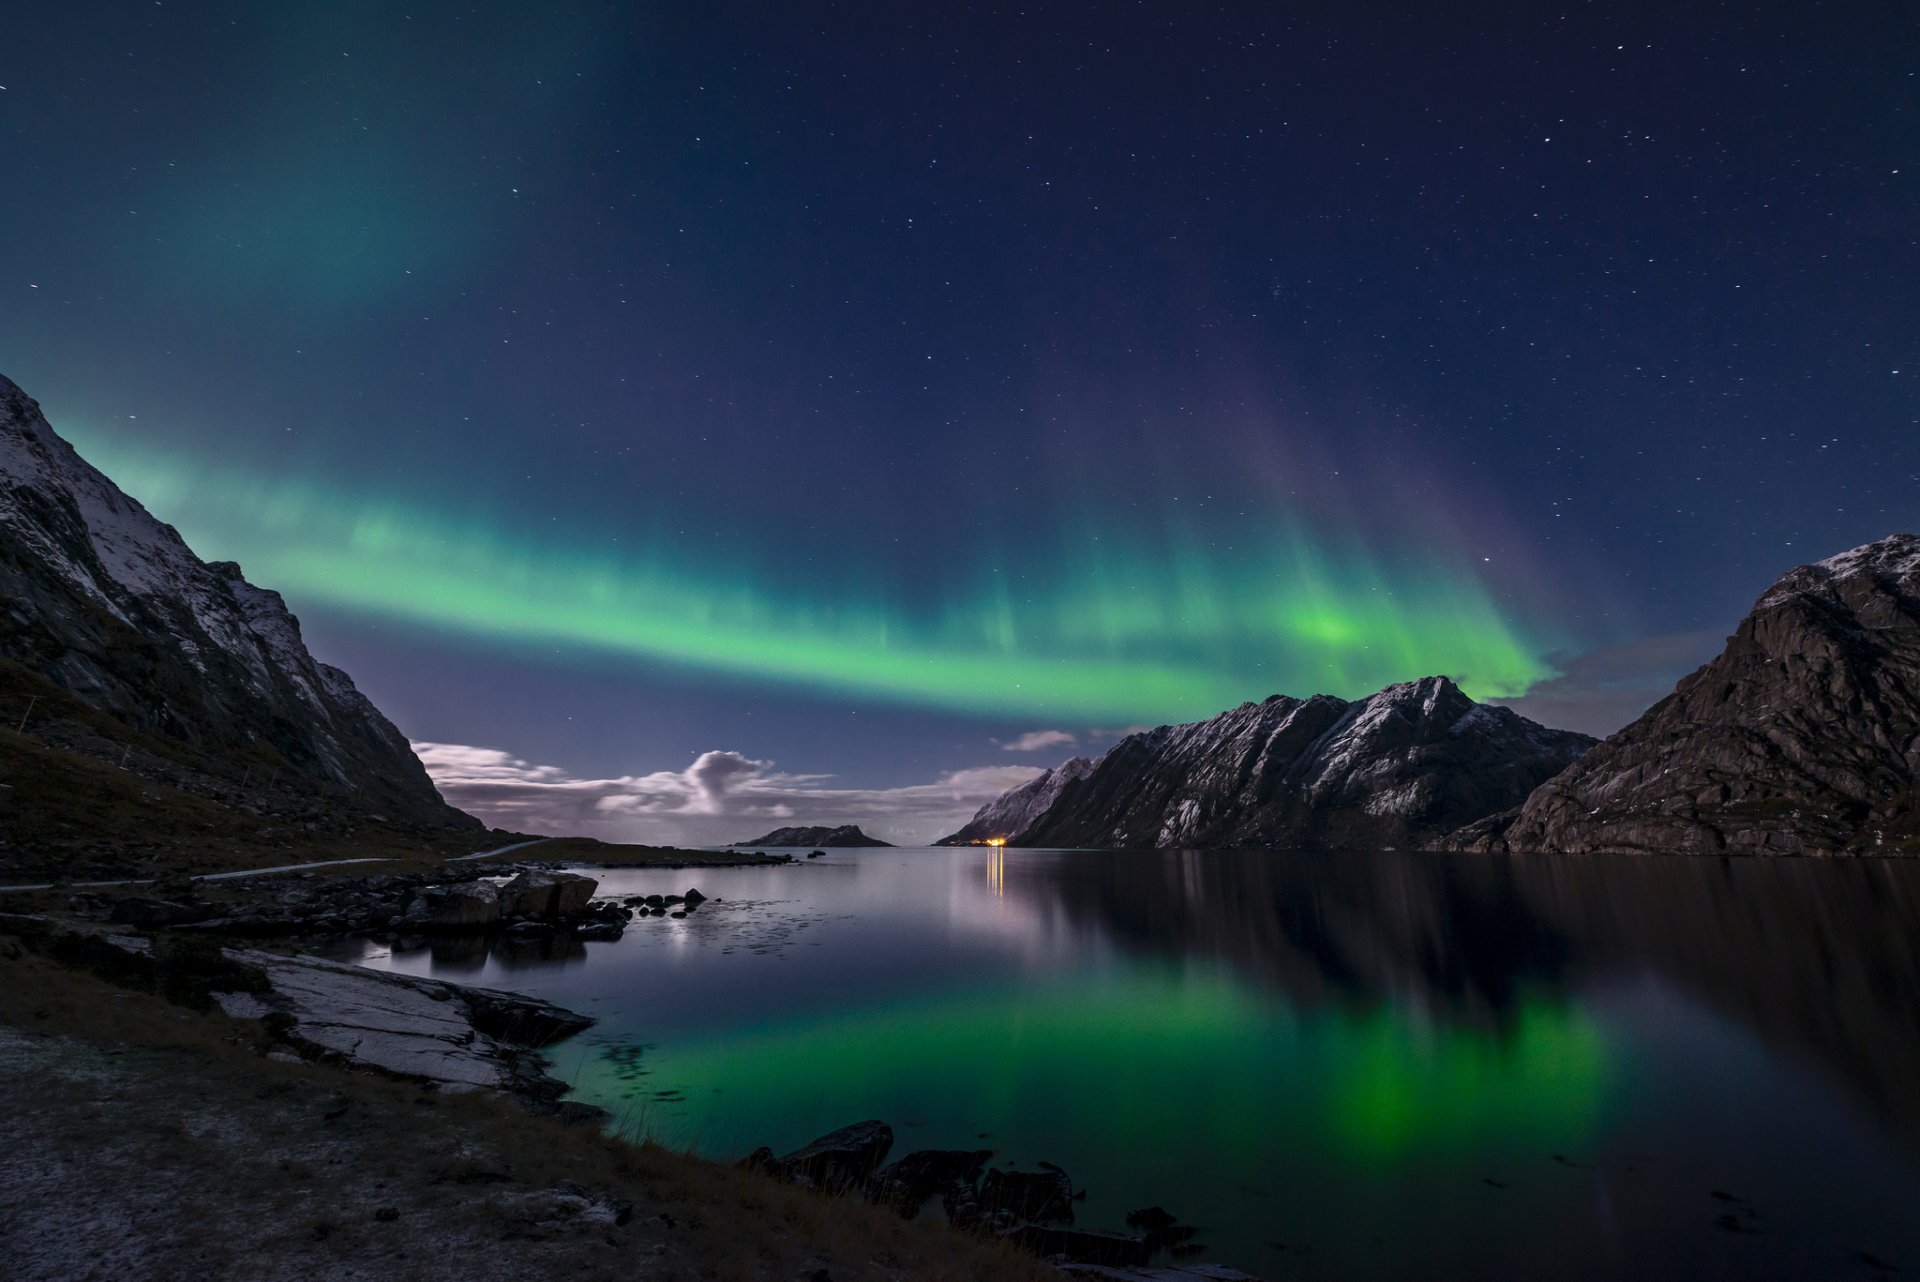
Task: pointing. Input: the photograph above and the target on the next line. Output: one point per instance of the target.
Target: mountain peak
(1884, 560)
(114, 609)
(1400, 767)
(1801, 737)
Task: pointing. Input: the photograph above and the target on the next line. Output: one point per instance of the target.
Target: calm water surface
(1338, 1066)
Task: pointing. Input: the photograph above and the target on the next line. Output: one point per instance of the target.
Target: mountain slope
(199, 672)
(1398, 768)
(1015, 810)
(1802, 737)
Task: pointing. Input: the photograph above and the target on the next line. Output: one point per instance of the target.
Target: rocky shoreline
(1030, 1210)
(534, 899)
(191, 941)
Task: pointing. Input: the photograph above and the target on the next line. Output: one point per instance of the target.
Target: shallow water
(1337, 1065)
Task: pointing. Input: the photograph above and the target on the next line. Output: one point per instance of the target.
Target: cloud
(1602, 690)
(723, 796)
(713, 773)
(1034, 740)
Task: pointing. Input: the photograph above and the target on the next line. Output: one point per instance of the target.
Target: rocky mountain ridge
(1017, 809)
(1399, 768)
(106, 608)
(1802, 737)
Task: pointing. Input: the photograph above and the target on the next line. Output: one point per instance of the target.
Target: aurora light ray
(1130, 633)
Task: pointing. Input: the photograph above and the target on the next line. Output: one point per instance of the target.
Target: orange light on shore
(996, 841)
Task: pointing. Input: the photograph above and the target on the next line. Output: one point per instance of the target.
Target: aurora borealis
(1123, 637)
(862, 389)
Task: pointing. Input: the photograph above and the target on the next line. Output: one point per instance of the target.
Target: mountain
(119, 645)
(1016, 809)
(1802, 737)
(1398, 768)
(844, 835)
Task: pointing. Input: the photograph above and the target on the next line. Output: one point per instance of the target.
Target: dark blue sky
(863, 389)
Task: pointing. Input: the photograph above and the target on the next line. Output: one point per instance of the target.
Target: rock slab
(456, 1037)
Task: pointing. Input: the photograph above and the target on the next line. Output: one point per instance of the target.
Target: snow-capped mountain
(110, 605)
(1399, 768)
(1015, 810)
(1802, 737)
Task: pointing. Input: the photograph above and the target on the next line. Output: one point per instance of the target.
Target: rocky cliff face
(1016, 810)
(102, 602)
(1398, 768)
(1803, 737)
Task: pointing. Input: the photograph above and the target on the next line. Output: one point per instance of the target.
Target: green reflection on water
(1097, 1067)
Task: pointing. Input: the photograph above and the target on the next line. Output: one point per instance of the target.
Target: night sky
(690, 417)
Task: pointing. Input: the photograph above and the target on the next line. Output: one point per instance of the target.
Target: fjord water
(1335, 1065)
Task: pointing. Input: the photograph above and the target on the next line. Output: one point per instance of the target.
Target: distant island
(818, 835)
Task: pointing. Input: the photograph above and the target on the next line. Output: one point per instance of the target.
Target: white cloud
(721, 797)
(713, 773)
(1034, 740)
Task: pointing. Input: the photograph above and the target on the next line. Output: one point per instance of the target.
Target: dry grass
(146, 1141)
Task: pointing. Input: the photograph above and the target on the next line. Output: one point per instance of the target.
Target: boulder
(1028, 1195)
(1153, 1219)
(694, 899)
(467, 905)
(907, 1185)
(841, 1159)
(550, 895)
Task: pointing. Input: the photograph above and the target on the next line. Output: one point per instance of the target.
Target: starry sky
(686, 417)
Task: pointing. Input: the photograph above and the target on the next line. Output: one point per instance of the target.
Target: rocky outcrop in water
(1802, 737)
(202, 673)
(1398, 768)
(844, 835)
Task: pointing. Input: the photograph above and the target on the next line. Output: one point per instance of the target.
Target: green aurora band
(1121, 631)
(1369, 1089)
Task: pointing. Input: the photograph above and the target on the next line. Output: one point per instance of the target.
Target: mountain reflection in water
(1338, 1065)
(1819, 957)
